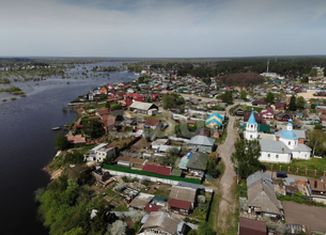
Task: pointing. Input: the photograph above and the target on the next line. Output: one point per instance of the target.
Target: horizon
(162, 29)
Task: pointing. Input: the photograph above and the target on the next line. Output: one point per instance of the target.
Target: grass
(13, 90)
(314, 167)
(150, 174)
(4, 81)
(299, 198)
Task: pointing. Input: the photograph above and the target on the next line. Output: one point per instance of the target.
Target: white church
(281, 147)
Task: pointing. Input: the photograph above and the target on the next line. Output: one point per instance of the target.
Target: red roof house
(252, 227)
(161, 170)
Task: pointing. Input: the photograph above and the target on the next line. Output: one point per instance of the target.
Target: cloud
(157, 28)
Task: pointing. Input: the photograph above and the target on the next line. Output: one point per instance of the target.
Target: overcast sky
(162, 28)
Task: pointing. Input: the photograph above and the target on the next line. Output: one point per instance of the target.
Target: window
(276, 156)
(252, 126)
(250, 136)
(269, 155)
(289, 143)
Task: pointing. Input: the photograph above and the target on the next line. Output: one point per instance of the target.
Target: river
(27, 145)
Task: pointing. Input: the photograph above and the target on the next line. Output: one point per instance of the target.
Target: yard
(314, 167)
(312, 217)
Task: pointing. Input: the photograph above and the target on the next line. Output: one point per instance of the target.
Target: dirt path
(227, 182)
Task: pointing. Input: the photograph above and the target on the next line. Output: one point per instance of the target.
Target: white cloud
(162, 28)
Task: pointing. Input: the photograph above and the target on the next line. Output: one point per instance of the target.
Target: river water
(27, 145)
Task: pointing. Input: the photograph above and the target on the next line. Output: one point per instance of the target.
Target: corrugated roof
(161, 170)
(273, 146)
(202, 140)
(163, 221)
(183, 194)
(198, 161)
(252, 227)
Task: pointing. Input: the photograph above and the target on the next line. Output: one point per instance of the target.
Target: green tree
(270, 98)
(61, 142)
(171, 101)
(92, 127)
(313, 72)
(227, 97)
(243, 94)
(317, 142)
(301, 103)
(293, 103)
(246, 157)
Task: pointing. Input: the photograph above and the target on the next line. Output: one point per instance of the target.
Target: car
(281, 174)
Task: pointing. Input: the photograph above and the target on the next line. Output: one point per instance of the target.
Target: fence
(303, 171)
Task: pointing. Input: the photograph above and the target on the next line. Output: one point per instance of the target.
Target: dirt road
(227, 182)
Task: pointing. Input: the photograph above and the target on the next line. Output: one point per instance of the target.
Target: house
(76, 139)
(144, 107)
(317, 186)
(202, 143)
(102, 177)
(260, 102)
(151, 122)
(262, 199)
(100, 153)
(162, 223)
(182, 199)
(195, 163)
(267, 113)
(279, 106)
(140, 201)
(283, 116)
(252, 227)
(157, 169)
(214, 120)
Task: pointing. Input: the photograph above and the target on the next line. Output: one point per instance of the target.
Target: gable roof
(198, 161)
(251, 226)
(202, 140)
(175, 203)
(273, 146)
(261, 195)
(183, 194)
(143, 105)
(163, 221)
(161, 170)
(215, 119)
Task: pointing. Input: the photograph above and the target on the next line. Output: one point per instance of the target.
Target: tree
(212, 167)
(61, 142)
(301, 103)
(93, 127)
(227, 97)
(270, 98)
(317, 141)
(246, 157)
(243, 94)
(293, 103)
(171, 101)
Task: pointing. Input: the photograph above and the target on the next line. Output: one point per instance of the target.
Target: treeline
(242, 79)
(286, 66)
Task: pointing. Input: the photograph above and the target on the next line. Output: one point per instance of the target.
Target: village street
(227, 182)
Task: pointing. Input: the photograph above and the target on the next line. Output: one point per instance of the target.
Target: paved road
(228, 180)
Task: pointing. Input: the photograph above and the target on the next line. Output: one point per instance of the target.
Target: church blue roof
(252, 119)
(289, 135)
